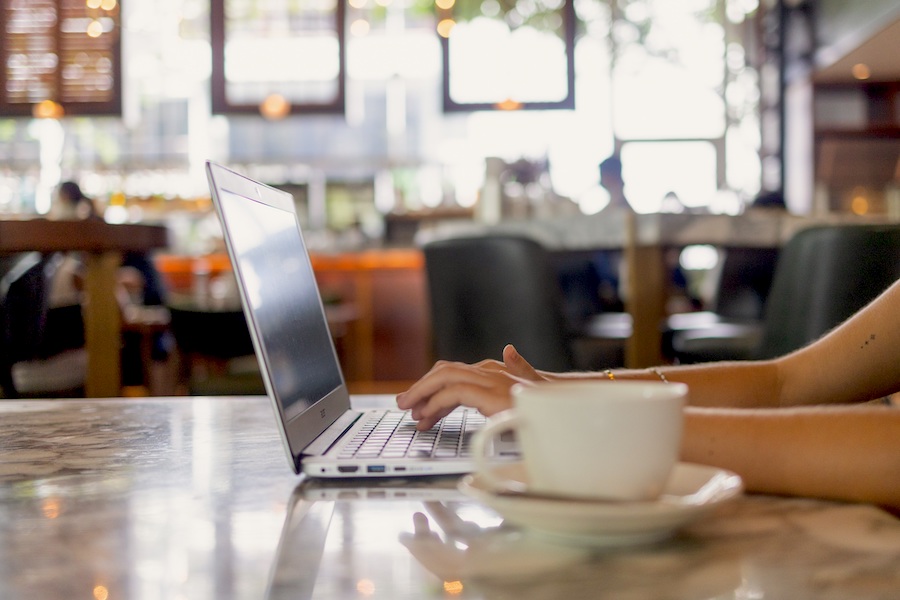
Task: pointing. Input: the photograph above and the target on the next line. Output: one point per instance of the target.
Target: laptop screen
(280, 290)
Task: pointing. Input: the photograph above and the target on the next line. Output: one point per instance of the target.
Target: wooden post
(646, 297)
(102, 323)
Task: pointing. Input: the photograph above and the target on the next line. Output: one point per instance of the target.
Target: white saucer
(692, 491)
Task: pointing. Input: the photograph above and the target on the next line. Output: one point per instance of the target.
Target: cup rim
(671, 388)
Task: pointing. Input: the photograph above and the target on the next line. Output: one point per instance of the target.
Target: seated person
(811, 423)
(138, 281)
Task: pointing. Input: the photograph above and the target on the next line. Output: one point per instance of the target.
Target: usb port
(375, 468)
(348, 469)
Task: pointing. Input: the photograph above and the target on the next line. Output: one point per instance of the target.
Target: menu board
(66, 51)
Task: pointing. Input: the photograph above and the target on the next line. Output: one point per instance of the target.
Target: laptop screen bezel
(297, 429)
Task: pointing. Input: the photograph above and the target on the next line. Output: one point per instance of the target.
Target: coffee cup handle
(504, 421)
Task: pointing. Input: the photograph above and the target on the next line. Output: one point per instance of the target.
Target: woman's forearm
(743, 384)
(847, 453)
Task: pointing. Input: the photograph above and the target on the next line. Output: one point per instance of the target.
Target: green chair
(824, 275)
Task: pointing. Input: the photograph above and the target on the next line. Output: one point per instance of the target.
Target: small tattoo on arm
(866, 343)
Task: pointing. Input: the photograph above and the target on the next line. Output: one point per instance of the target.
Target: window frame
(452, 106)
(218, 84)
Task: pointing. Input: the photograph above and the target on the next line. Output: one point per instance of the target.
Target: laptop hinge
(327, 438)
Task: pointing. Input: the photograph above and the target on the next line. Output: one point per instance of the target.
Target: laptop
(325, 432)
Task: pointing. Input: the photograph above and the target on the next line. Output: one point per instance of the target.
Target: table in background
(193, 498)
(103, 245)
(645, 240)
(376, 304)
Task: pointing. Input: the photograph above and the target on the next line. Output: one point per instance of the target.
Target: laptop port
(375, 468)
(348, 469)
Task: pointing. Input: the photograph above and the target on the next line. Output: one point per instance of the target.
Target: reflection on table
(193, 498)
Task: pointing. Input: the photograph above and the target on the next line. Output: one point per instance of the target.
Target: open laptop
(320, 427)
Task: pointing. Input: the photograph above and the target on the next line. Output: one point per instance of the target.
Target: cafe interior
(658, 182)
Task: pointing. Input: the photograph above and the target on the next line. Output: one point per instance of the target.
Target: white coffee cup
(613, 440)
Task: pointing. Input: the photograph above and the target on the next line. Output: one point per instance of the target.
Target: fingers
(517, 365)
(484, 386)
(420, 524)
(441, 375)
(488, 400)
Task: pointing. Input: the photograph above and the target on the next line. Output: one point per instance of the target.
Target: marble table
(193, 498)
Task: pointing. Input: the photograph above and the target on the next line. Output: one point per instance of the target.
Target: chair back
(220, 334)
(744, 282)
(24, 304)
(486, 292)
(824, 275)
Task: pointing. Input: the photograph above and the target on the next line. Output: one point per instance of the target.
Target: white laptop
(322, 429)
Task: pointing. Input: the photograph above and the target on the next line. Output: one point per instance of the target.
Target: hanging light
(445, 26)
(275, 107)
(509, 104)
(861, 71)
(48, 109)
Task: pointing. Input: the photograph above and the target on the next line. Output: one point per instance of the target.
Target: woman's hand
(484, 385)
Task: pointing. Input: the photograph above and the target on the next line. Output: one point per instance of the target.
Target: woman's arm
(849, 453)
(856, 362)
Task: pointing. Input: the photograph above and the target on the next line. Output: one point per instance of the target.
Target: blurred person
(611, 180)
(139, 282)
(770, 201)
(73, 204)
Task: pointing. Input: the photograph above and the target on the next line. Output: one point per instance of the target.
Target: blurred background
(386, 118)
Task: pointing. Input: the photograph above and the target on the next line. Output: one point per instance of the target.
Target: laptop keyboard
(393, 434)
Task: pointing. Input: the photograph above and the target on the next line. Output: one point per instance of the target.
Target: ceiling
(880, 52)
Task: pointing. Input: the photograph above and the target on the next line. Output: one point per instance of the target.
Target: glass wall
(671, 86)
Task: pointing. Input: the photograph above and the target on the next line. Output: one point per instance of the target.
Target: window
(277, 57)
(60, 57)
(685, 103)
(507, 55)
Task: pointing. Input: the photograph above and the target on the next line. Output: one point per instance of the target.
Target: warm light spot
(453, 588)
(445, 26)
(50, 508)
(383, 2)
(365, 587)
(100, 592)
(275, 107)
(108, 4)
(47, 109)
(861, 71)
(95, 29)
(93, 4)
(859, 205)
(509, 104)
(358, 3)
(444, 4)
(359, 27)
